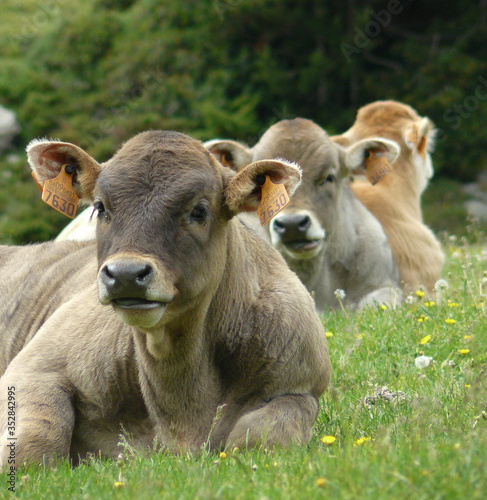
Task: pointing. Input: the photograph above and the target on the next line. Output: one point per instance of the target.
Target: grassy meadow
(423, 437)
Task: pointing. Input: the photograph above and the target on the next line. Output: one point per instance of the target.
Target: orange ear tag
(59, 193)
(274, 199)
(377, 167)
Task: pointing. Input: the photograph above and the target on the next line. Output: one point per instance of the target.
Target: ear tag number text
(377, 167)
(59, 193)
(274, 199)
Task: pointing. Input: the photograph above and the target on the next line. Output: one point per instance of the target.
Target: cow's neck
(177, 377)
(403, 189)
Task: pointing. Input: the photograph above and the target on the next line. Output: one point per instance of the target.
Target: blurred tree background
(98, 71)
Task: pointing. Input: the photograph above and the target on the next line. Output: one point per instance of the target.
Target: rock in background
(8, 128)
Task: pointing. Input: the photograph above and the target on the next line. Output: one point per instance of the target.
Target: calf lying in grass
(174, 311)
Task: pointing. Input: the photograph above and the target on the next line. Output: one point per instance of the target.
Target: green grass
(432, 444)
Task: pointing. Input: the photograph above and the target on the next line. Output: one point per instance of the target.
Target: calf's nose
(126, 276)
(292, 226)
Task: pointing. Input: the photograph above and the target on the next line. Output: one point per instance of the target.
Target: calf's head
(401, 123)
(313, 216)
(163, 206)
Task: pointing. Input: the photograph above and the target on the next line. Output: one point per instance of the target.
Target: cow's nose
(126, 276)
(292, 226)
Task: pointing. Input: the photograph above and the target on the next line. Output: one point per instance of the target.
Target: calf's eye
(100, 211)
(326, 180)
(199, 213)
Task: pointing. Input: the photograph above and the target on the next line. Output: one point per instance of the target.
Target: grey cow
(325, 234)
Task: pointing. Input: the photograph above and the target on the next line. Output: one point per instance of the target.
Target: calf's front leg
(36, 420)
(283, 421)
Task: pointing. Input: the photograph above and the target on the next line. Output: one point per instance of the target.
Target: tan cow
(325, 234)
(174, 311)
(396, 199)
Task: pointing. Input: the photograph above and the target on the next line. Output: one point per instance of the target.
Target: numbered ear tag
(274, 199)
(377, 167)
(59, 193)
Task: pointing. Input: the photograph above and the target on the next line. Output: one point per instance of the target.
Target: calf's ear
(232, 154)
(47, 158)
(244, 189)
(356, 155)
(419, 136)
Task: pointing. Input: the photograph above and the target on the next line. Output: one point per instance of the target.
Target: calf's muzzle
(126, 282)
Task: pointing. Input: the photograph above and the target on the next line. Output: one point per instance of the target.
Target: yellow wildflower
(223, 455)
(453, 304)
(463, 352)
(328, 334)
(431, 303)
(467, 386)
(467, 337)
(419, 294)
(425, 340)
(118, 484)
(383, 307)
(321, 482)
(450, 321)
(361, 441)
(328, 439)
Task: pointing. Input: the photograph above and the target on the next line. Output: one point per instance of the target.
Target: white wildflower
(456, 255)
(340, 294)
(409, 299)
(423, 361)
(452, 238)
(441, 285)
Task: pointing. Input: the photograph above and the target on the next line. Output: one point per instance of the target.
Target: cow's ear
(47, 158)
(419, 136)
(356, 155)
(244, 189)
(232, 154)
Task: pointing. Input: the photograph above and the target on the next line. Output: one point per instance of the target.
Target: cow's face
(402, 124)
(300, 230)
(163, 206)
(303, 228)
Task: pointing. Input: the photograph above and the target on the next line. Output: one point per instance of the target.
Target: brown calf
(184, 310)
(396, 199)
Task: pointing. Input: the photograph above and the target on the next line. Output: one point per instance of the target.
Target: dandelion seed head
(441, 285)
(422, 362)
(340, 294)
